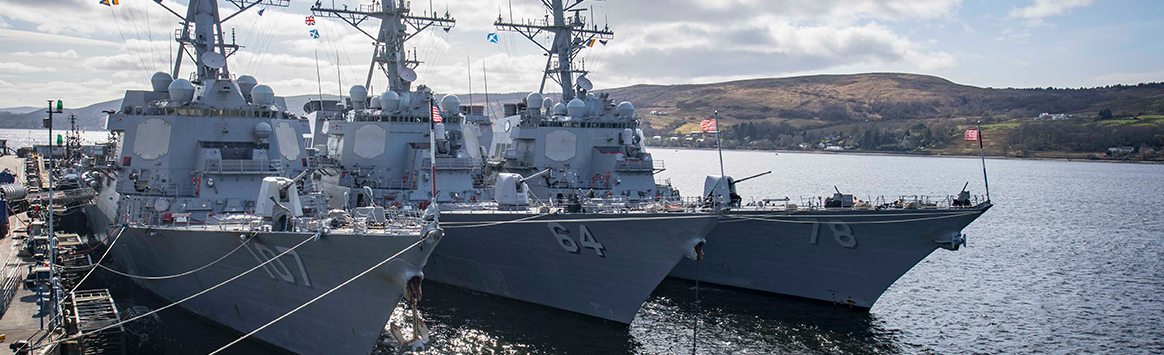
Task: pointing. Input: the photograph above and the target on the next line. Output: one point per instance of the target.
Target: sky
(83, 52)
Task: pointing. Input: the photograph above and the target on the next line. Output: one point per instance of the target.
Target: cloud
(72, 54)
(1129, 78)
(1046, 8)
(17, 67)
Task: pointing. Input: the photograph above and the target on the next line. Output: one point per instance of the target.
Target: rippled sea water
(1068, 261)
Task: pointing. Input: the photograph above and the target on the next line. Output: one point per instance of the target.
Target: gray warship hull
(348, 321)
(844, 256)
(515, 256)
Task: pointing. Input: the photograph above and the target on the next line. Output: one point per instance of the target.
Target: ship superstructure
(600, 258)
(212, 177)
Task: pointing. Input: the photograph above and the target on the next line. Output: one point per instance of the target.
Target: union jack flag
(707, 125)
(310, 20)
(436, 114)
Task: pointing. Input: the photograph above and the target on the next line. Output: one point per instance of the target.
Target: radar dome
(534, 100)
(451, 103)
(246, 83)
(161, 82)
(389, 101)
(576, 108)
(375, 102)
(358, 93)
(626, 109)
(559, 109)
(263, 95)
(405, 100)
(181, 90)
(262, 130)
(548, 103)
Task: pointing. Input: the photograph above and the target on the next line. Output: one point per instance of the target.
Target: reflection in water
(733, 321)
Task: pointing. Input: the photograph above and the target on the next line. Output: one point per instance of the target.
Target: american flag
(707, 125)
(971, 135)
(436, 114)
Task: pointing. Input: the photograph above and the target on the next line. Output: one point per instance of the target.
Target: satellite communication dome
(548, 103)
(451, 103)
(389, 101)
(358, 93)
(534, 100)
(626, 109)
(181, 90)
(405, 100)
(246, 83)
(375, 102)
(559, 109)
(576, 108)
(262, 130)
(262, 95)
(161, 82)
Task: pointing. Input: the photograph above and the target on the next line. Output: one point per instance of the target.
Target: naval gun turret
(722, 189)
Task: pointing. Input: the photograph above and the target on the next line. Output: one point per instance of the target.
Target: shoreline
(926, 155)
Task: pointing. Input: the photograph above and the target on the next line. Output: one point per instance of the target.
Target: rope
(317, 298)
(240, 245)
(143, 315)
(741, 218)
(103, 255)
(17, 215)
(527, 220)
(86, 251)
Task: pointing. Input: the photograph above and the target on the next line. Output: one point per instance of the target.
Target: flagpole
(719, 145)
(982, 154)
(432, 148)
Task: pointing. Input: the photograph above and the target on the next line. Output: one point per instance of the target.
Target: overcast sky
(84, 52)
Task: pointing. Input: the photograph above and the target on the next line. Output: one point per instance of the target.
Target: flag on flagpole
(590, 43)
(314, 33)
(707, 125)
(436, 114)
(492, 37)
(310, 21)
(261, 11)
(971, 135)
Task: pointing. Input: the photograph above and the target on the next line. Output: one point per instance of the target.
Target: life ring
(609, 194)
(397, 204)
(594, 178)
(473, 199)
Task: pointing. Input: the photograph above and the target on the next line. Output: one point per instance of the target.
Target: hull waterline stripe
(740, 218)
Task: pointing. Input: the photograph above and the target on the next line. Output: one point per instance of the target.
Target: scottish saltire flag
(492, 37)
(436, 114)
(707, 125)
(971, 135)
(314, 33)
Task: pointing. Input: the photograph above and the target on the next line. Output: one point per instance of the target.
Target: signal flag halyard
(707, 125)
(436, 114)
(971, 135)
(109, 2)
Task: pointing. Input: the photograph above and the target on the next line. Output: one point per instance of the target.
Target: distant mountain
(828, 100)
(88, 117)
(24, 109)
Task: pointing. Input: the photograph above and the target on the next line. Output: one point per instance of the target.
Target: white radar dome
(358, 93)
(262, 130)
(375, 103)
(559, 109)
(161, 82)
(576, 108)
(534, 100)
(451, 103)
(389, 101)
(181, 90)
(246, 83)
(263, 95)
(548, 103)
(626, 109)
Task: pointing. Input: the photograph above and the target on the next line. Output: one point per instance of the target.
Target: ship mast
(206, 38)
(570, 36)
(395, 23)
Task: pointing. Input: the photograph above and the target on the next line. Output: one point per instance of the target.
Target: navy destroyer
(598, 249)
(835, 249)
(213, 182)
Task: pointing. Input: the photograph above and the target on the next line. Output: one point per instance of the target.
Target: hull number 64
(562, 234)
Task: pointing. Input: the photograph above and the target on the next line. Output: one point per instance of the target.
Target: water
(18, 138)
(1068, 261)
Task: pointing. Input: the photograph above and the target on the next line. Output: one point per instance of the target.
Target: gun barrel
(752, 177)
(540, 173)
